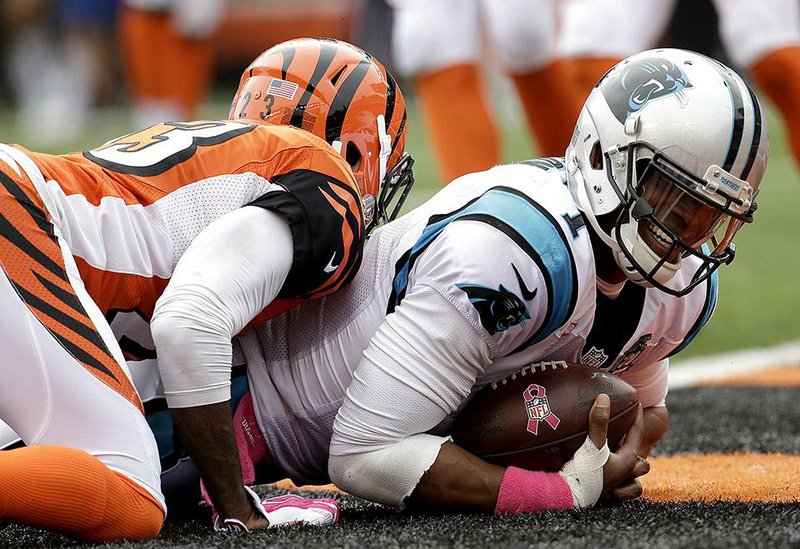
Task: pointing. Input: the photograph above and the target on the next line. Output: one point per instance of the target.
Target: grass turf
(634, 524)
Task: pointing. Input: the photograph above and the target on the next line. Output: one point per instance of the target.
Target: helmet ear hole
(335, 78)
(596, 156)
(353, 156)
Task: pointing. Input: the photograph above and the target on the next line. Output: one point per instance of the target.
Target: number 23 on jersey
(158, 148)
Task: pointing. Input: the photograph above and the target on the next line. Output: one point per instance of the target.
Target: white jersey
(493, 267)
(507, 253)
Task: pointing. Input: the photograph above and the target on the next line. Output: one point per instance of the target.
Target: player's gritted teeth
(659, 241)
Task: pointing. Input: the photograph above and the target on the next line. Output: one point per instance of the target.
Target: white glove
(584, 473)
(284, 511)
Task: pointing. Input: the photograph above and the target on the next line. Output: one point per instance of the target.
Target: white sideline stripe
(690, 372)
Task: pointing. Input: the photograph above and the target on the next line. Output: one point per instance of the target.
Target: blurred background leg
(764, 36)
(437, 43)
(168, 54)
(524, 34)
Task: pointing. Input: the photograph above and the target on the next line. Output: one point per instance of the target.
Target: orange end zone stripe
(745, 477)
(784, 376)
(287, 484)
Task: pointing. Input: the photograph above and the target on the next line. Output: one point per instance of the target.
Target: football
(539, 416)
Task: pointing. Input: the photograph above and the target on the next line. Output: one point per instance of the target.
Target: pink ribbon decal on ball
(538, 407)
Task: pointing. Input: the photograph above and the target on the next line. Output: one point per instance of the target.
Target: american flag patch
(282, 88)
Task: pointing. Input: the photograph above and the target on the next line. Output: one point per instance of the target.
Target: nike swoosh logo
(527, 295)
(330, 267)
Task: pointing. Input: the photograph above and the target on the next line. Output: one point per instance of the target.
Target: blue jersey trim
(710, 305)
(531, 227)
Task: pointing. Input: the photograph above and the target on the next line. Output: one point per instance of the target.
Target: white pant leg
(522, 31)
(48, 397)
(430, 35)
(612, 28)
(752, 29)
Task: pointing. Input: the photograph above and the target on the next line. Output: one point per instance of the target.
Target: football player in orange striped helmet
(342, 94)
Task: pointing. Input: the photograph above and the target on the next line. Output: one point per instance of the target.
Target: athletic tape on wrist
(584, 473)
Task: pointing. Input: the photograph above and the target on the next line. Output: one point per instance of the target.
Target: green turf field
(759, 295)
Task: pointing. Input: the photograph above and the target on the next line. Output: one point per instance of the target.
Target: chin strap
(385, 141)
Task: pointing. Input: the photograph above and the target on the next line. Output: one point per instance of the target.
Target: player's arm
(656, 423)
(419, 366)
(461, 482)
(232, 270)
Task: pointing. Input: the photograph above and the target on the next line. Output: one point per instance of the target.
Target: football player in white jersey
(508, 266)
(608, 256)
(526, 262)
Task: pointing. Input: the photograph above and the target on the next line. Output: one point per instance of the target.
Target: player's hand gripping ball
(539, 416)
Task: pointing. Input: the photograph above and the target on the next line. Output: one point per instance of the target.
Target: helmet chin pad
(638, 261)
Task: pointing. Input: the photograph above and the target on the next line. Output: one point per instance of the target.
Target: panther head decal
(499, 309)
(628, 89)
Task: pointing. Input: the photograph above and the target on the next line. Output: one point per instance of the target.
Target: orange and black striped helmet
(345, 96)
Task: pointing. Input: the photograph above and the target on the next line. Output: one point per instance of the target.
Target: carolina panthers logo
(499, 309)
(545, 164)
(630, 88)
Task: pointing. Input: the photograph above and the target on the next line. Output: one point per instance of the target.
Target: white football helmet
(666, 161)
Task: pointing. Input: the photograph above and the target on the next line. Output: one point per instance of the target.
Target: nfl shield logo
(538, 407)
(594, 358)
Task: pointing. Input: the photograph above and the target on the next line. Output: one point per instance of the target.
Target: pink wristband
(524, 491)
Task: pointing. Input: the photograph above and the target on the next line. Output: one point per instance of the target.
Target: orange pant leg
(778, 75)
(71, 492)
(587, 71)
(463, 134)
(142, 43)
(551, 103)
(162, 65)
